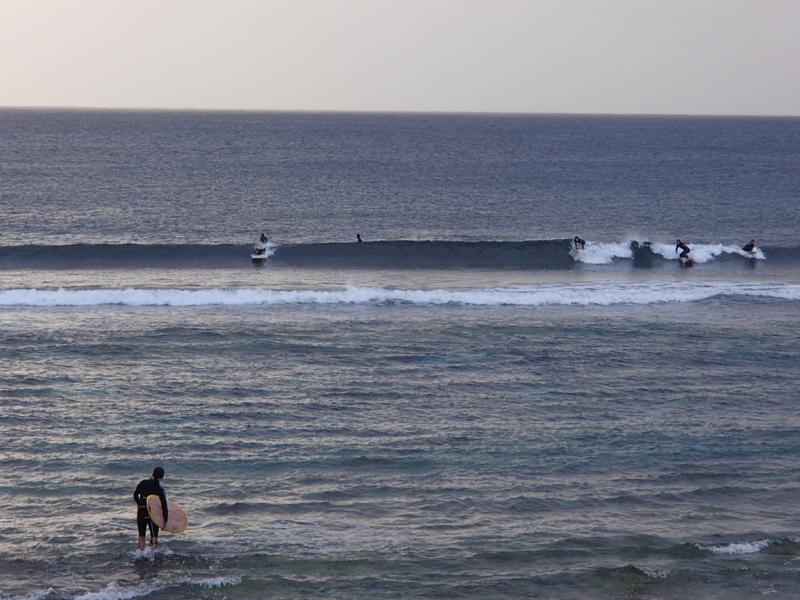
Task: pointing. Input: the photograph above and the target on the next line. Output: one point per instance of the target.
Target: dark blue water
(461, 406)
(215, 178)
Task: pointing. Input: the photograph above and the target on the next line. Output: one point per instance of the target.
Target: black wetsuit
(579, 242)
(749, 247)
(684, 249)
(140, 494)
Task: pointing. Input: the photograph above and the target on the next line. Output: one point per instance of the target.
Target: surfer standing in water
(140, 494)
(579, 243)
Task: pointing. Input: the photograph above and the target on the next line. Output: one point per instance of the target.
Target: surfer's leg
(141, 523)
(153, 534)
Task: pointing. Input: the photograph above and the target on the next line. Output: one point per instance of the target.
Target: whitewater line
(605, 294)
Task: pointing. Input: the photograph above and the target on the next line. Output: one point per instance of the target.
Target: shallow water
(373, 449)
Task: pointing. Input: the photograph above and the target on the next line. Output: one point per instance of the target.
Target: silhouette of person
(261, 246)
(683, 248)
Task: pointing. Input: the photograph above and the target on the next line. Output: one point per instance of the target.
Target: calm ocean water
(460, 407)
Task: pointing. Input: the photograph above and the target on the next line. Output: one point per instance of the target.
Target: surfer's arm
(137, 494)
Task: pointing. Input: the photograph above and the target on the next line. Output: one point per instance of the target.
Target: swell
(556, 254)
(538, 254)
(93, 256)
(535, 254)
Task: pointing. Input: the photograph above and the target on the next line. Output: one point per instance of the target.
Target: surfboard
(177, 521)
(258, 257)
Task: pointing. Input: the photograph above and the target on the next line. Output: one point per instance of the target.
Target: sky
(727, 57)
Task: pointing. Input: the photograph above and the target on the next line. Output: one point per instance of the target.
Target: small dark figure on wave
(679, 245)
(580, 244)
(261, 246)
(358, 238)
(750, 247)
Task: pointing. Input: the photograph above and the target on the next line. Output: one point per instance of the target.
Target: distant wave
(532, 254)
(94, 256)
(535, 254)
(646, 253)
(539, 254)
(701, 253)
(605, 294)
(785, 546)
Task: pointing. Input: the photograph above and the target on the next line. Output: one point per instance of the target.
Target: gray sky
(564, 56)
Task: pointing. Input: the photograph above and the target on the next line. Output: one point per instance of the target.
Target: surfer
(579, 242)
(261, 246)
(679, 245)
(750, 247)
(358, 238)
(140, 494)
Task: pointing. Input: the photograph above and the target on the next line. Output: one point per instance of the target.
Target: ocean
(461, 406)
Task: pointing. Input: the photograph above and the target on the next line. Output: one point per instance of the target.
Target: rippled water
(451, 422)
(375, 450)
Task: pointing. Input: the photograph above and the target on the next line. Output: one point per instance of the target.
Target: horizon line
(386, 112)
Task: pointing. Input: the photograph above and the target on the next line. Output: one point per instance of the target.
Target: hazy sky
(585, 56)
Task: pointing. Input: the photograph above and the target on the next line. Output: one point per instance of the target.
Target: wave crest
(556, 254)
(605, 294)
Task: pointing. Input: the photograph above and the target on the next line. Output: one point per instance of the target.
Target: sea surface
(461, 406)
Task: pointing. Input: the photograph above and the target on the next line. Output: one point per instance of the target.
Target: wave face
(537, 254)
(540, 254)
(539, 295)
(511, 255)
(92, 256)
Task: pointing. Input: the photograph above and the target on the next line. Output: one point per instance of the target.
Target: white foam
(655, 573)
(114, 591)
(602, 253)
(150, 553)
(703, 253)
(603, 294)
(737, 549)
(270, 249)
(217, 582)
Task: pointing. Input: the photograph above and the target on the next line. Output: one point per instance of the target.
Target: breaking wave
(785, 547)
(605, 294)
(532, 254)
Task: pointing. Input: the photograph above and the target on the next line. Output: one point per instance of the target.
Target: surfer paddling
(140, 494)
